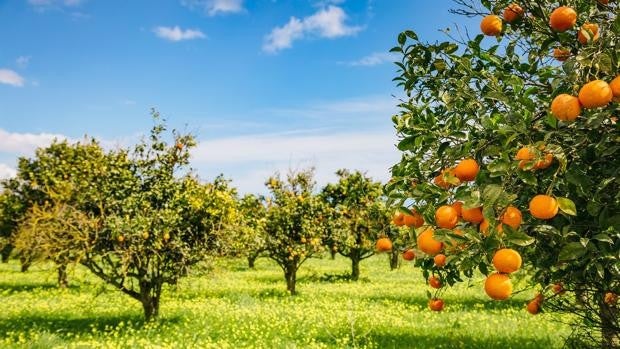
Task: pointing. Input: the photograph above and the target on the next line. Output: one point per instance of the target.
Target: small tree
(250, 232)
(355, 198)
(522, 121)
(295, 222)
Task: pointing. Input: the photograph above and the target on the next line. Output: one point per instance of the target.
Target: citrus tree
(355, 198)
(295, 222)
(509, 143)
(250, 232)
(11, 209)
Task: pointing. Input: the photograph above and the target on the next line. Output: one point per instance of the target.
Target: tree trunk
(355, 264)
(25, 264)
(62, 276)
(6, 252)
(332, 253)
(150, 293)
(394, 259)
(251, 260)
(609, 326)
(291, 279)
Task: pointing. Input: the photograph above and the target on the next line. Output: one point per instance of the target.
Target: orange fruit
(428, 244)
(446, 217)
(595, 94)
(467, 170)
(398, 219)
(408, 255)
(558, 288)
(440, 179)
(498, 286)
(562, 19)
(458, 206)
(610, 298)
(384, 245)
(472, 215)
(561, 54)
(588, 33)
(533, 307)
(507, 260)
(440, 260)
(484, 227)
(436, 304)
(544, 163)
(512, 13)
(491, 25)
(615, 88)
(525, 153)
(414, 219)
(565, 107)
(512, 217)
(434, 281)
(603, 2)
(120, 238)
(543, 206)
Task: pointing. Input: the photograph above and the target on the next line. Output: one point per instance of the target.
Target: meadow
(227, 305)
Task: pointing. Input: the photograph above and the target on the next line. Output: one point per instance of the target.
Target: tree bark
(62, 276)
(251, 260)
(6, 252)
(25, 264)
(150, 292)
(394, 259)
(332, 253)
(291, 279)
(610, 330)
(355, 264)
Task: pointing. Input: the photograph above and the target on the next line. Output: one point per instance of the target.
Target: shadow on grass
(33, 286)
(62, 325)
(441, 340)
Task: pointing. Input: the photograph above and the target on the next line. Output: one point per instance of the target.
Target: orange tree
(355, 199)
(295, 223)
(249, 236)
(509, 142)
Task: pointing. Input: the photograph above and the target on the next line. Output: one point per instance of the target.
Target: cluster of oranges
(498, 285)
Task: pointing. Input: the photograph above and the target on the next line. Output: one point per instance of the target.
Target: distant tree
(356, 200)
(295, 222)
(250, 237)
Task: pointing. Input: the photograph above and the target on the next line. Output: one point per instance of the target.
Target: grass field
(231, 306)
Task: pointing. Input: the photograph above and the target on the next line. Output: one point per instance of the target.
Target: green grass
(234, 307)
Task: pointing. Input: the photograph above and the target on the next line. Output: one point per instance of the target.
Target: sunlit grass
(235, 307)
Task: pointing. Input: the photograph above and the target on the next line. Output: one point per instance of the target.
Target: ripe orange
(507, 260)
(440, 260)
(436, 304)
(408, 255)
(565, 107)
(384, 245)
(498, 286)
(428, 244)
(458, 206)
(512, 217)
(615, 88)
(588, 33)
(434, 281)
(543, 206)
(491, 25)
(561, 54)
(525, 153)
(120, 238)
(472, 215)
(595, 94)
(446, 217)
(533, 307)
(611, 298)
(544, 163)
(467, 170)
(398, 219)
(562, 19)
(440, 179)
(558, 288)
(512, 13)
(414, 219)
(484, 227)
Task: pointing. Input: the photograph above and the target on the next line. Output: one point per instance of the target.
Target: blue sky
(265, 85)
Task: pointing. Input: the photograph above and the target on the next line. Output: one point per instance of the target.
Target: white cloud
(177, 34)
(10, 77)
(251, 159)
(328, 23)
(373, 59)
(25, 143)
(23, 61)
(6, 171)
(215, 7)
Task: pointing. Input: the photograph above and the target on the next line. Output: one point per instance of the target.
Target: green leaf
(518, 237)
(572, 251)
(491, 194)
(567, 206)
(407, 144)
(528, 177)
